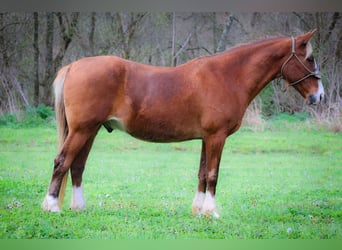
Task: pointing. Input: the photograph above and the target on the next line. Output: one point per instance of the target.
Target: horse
(203, 99)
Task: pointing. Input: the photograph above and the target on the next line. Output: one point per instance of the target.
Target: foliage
(43, 111)
(31, 117)
(282, 183)
(285, 117)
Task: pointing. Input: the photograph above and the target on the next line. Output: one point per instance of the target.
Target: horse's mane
(255, 41)
(251, 41)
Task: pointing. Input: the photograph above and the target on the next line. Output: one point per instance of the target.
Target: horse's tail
(62, 125)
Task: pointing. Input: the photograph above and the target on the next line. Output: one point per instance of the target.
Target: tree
(222, 42)
(92, 33)
(127, 25)
(10, 87)
(67, 30)
(184, 44)
(36, 58)
(49, 67)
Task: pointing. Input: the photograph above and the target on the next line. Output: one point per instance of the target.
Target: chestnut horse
(205, 99)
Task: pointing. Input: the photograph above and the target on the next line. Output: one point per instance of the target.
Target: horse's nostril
(312, 99)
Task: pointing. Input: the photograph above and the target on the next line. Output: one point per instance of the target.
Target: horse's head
(300, 70)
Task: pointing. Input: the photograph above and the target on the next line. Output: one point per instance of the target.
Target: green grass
(282, 183)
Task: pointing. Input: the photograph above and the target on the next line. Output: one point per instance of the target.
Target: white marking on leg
(77, 199)
(198, 203)
(209, 206)
(50, 204)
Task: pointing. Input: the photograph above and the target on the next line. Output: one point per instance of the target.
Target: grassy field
(284, 182)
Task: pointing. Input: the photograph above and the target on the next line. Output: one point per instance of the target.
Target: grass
(283, 183)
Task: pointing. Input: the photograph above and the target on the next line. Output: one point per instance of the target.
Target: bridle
(315, 73)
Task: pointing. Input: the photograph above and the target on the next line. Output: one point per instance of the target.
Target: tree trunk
(126, 29)
(67, 31)
(222, 42)
(14, 94)
(173, 48)
(3, 48)
(92, 33)
(49, 63)
(36, 58)
(215, 31)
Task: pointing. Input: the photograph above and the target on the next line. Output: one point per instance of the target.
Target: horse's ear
(313, 31)
(305, 38)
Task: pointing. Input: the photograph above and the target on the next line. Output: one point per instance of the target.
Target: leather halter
(315, 73)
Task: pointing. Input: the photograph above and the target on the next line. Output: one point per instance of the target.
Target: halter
(315, 73)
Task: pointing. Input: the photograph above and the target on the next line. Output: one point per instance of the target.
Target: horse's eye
(311, 59)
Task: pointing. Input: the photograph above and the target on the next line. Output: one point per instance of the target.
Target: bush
(44, 111)
(32, 116)
(290, 118)
(8, 119)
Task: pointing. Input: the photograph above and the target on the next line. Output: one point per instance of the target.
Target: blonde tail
(62, 125)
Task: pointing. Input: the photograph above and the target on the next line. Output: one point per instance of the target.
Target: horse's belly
(163, 137)
(162, 131)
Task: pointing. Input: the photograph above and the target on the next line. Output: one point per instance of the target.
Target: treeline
(33, 46)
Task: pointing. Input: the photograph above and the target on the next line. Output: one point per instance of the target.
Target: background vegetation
(34, 45)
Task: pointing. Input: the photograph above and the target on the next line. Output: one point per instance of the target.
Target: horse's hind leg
(77, 168)
(73, 144)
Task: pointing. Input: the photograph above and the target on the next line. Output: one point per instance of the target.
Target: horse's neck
(258, 66)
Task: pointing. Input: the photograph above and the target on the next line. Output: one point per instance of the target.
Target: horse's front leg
(202, 184)
(213, 152)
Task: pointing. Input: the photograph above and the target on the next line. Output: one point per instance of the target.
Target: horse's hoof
(50, 204)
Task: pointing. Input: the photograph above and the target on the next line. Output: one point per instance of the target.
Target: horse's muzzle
(318, 96)
(315, 98)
